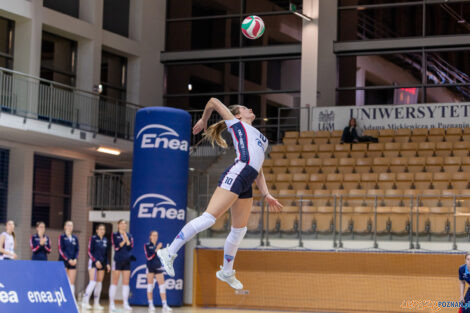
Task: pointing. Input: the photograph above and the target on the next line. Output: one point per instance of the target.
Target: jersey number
(228, 180)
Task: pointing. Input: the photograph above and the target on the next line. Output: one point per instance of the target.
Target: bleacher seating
(405, 166)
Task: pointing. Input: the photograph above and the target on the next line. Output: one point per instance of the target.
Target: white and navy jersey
(122, 254)
(250, 144)
(98, 249)
(153, 261)
(464, 274)
(68, 247)
(40, 252)
(8, 245)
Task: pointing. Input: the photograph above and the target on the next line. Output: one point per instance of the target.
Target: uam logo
(163, 140)
(8, 296)
(141, 280)
(152, 205)
(326, 120)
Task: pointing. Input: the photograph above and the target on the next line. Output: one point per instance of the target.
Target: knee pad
(203, 222)
(162, 288)
(236, 235)
(149, 287)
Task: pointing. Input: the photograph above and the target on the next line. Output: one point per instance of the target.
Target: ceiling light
(190, 87)
(108, 151)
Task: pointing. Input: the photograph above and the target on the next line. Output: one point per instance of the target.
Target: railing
(35, 98)
(345, 218)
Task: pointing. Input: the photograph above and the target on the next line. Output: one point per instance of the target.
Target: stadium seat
(387, 181)
(441, 180)
(393, 197)
(309, 223)
(221, 224)
(461, 180)
(371, 132)
(299, 181)
(398, 165)
(280, 166)
(419, 135)
(402, 135)
(277, 151)
(443, 149)
(426, 149)
(293, 151)
(325, 150)
(297, 166)
(346, 165)
(287, 196)
(466, 134)
(453, 134)
(254, 221)
(329, 165)
(322, 198)
(416, 164)
(347, 213)
(404, 180)
(434, 164)
(268, 163)
(400, 220)
(316, 181)
(441, 219)
(465, 165)
(283, 181)
(351, 181)
(376, 150)
(321, 137)
(309, 151)
(342, 151)
(386, 135)
(289, 218)
(335, 136)
(392, 149)
(369, 181)
(358, 150)
(334, 181)
(324, 218)
(306, 137)
(363, 165)
(363, 219)
(409, 149)
(422, 180)
(290, 137)
(381, 165)
(437, 135)
(384, 219)
(271, 221)
(461, 148)
(452, 164)
(355, 197)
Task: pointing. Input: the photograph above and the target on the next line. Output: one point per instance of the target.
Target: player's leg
(241, 211)
(91, 286)
(162, 288)
(150, 284)
(72, 275)
(125, 289)
(221, 200)
(97, 291)
(112, 288)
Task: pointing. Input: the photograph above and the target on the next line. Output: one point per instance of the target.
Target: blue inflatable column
(159, 193)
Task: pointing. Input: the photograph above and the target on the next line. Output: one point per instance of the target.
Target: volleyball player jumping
(234, 189)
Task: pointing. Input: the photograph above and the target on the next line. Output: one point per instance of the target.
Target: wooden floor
(186, 309)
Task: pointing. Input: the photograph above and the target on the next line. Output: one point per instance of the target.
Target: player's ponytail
(213, 133)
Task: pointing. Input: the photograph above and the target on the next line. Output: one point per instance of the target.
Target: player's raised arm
(212, 104)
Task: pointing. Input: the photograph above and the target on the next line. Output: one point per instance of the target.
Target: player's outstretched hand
(199, 126)
(273, 204)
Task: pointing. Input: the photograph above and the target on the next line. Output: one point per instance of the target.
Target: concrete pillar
(20, 197)
(82, 169)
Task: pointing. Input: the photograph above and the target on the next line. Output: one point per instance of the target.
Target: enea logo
(152, 205)
(8, 296)
(141, 280)
(162, 137)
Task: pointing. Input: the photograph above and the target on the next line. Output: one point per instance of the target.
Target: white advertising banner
(392, 116)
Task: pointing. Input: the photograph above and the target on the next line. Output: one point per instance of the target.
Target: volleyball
(253, 27)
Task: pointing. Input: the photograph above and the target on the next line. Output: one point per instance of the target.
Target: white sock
(97, 292)
(125, 294)
(195, 226)
(112, 293)
(72, 288)
(162, 290)
(164, 303)
(231, 246)
(88, 291)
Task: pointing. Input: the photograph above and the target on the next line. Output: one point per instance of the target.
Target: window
(6, 43)
(113, 75)
(52, 189)
(4, 161)
(58, 59)
(69, 7)
(116, 16)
